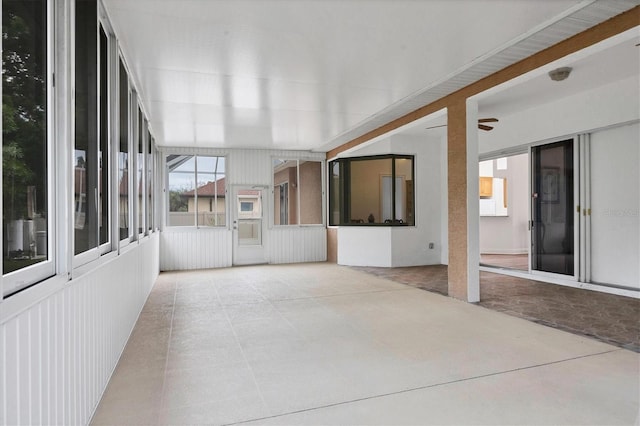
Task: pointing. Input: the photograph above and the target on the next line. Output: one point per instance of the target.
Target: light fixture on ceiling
(560, 74)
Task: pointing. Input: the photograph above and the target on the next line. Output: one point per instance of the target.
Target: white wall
(508, 234)
(365, 246)
(605, 112)
(292, 244)
(615, 206)
(607, 105)
(191, 248)
(62, 339)
(183, 248)
(402, 246)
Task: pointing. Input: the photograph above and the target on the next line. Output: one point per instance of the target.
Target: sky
(183, 176)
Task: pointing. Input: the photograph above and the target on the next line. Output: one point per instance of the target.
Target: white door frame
(249, 249)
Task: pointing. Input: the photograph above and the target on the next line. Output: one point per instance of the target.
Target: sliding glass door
(553, 208)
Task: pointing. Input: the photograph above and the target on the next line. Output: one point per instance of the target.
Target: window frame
(111, 67)
(99, 249)
(148, 156)
(166, 210)
(344, 195)
(141, 178)
(58, 142)
(23, 278)
(125, 241)
(323, 192)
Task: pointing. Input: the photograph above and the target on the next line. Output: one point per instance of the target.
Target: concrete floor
(324, 344)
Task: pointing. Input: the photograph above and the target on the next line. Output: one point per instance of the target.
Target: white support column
(60, 238)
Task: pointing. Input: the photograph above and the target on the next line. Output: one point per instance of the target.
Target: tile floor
(606, 317)
(509, 261)
(324, 344)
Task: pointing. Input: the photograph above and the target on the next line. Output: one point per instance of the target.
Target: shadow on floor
(608, 318)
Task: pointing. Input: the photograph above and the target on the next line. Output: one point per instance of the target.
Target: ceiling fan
(481, 124)
(486, 120)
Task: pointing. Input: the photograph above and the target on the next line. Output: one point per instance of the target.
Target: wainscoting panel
(57, 355)
(192, 248)
(292, 244)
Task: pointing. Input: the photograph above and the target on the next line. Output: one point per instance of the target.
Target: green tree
(15, 177)
(24, 121)
(177, 201)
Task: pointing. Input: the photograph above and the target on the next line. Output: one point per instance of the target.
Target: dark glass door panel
(552, 232)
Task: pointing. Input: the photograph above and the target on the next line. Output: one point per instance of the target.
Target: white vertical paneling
(3, 380)
(72, 359)
(46, 363)
(35, 355)
(57, 356)
(292, 244)
(24, 370)
(58, 334)
(250, 166)
(191, 248)
(11, 370)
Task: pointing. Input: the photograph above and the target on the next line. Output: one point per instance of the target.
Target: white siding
(57, 355)
(191, 248)
(292, 244)
(249, 167)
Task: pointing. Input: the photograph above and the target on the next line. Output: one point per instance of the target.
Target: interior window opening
(374, 191)
(297, 192)
(504, 215)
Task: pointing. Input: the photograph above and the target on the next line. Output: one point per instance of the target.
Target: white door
(248, 225)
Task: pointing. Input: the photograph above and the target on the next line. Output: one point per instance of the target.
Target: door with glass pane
(553, 208)
(248, 226)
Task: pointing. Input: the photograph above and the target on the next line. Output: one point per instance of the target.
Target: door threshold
(564, 282)
(250, 264)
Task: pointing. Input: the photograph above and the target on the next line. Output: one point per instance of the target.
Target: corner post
(463, 212)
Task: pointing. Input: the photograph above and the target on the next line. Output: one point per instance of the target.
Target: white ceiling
(301, 74)
(610, 61)
(615, 62)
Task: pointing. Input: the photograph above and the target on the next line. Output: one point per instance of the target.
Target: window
(104, 182)
(91, 153)
(197, 191)
(123, 155)
(297, 192)
(376, 190)
(149, 207)
(282, 198)
(140, 175)
(210, 195)
(246, 206)
(26, 177)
